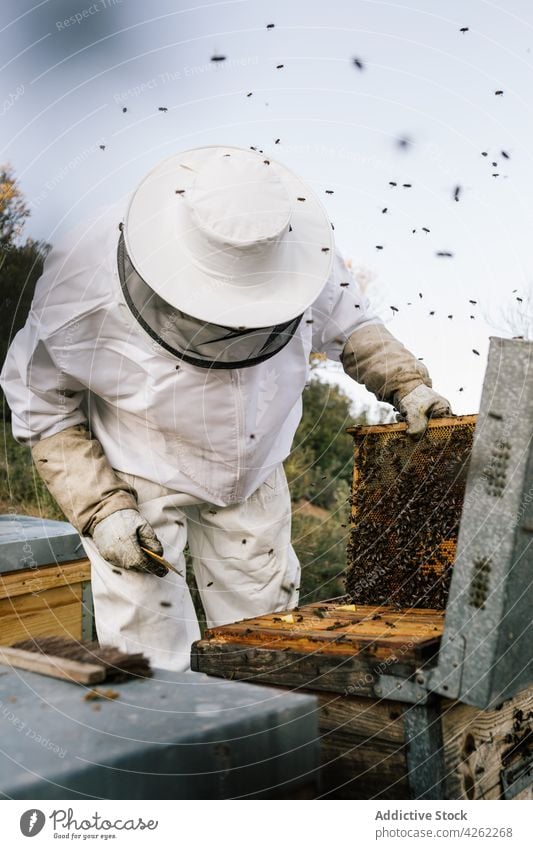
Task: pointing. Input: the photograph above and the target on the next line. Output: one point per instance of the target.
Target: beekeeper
(159, 378)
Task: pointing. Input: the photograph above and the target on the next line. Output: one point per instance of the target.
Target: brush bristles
(120, 666)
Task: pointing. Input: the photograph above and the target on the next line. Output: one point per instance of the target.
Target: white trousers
(243, 561)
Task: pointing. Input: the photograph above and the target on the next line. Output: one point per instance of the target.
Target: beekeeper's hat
(229, 236)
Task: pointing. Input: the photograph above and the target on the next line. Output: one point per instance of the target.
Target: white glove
(419, 405)
(119, 537)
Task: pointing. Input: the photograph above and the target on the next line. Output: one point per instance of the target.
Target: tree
(320, 464)
(21, 264)
(13, 209)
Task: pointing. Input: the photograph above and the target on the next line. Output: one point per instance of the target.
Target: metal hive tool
(406, 505)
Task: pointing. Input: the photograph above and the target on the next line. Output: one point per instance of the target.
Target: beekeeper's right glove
(95, 500)
(119, 537)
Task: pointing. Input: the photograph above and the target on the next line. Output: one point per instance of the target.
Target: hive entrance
(406, 505)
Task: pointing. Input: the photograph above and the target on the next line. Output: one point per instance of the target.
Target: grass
(22, 491)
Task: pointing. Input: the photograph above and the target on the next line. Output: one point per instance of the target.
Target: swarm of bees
(402, 141)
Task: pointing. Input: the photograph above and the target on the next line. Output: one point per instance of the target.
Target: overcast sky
(65, 84)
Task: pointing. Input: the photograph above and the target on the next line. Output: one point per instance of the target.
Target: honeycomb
(406, 505)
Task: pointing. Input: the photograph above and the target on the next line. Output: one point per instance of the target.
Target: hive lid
(27, 542)
(179, 736)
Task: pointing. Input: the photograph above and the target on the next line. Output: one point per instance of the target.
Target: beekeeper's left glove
(419, 405)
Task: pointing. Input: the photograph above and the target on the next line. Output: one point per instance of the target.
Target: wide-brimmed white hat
(229, 236)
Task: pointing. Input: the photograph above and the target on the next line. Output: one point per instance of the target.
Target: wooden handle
(55, 667)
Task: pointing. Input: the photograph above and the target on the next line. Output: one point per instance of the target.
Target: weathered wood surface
(53, 611)
(53, 667)
(329, 627)
(324, 646)
(364, 748)
(479, 744)
(37, 580)
(399, 427)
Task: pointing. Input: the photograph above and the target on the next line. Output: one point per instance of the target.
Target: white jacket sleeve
(346, 329)
(43, 398)
(341, 308)
(47, 415)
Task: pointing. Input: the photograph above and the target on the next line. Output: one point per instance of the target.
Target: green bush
(23, 491)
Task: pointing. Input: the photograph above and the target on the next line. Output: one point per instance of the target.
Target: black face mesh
(198, 342)
(406, 502)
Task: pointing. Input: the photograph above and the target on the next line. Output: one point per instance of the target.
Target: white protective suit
(199, 446)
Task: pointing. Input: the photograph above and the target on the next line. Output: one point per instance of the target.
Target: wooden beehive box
(375, 744)
(44, 580)
(367, 656)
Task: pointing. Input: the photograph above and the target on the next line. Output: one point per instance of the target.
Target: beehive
(375, 743)
(45, 586)
(406, 505)
(368, 657)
